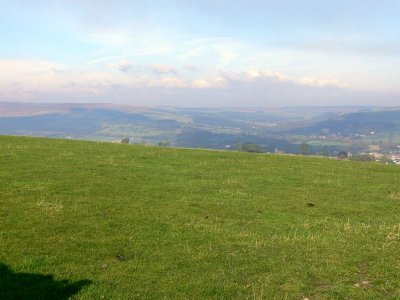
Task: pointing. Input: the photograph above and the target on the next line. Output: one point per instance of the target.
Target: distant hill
(73, 121)
(184, 127)
(360, 122)
(282, 129)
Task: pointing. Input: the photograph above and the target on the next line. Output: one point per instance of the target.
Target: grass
(144, 222)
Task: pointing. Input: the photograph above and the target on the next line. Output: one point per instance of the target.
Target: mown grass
(149, 223)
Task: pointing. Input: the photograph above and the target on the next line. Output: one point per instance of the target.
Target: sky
(201, 53)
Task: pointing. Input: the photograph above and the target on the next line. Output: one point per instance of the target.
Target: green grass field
(86, 220)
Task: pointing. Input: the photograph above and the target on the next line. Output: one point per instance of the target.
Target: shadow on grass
(35, 286)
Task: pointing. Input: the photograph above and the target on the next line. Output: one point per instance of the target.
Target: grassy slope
(152, 223)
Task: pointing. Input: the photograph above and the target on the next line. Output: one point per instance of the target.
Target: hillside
(360, 122)
(93, 220)
(281, 128)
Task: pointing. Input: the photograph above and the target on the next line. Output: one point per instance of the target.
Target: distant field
(108, 221)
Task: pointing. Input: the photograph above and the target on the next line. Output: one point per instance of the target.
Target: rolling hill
(327, 130)
(90, 220)
(361, 122)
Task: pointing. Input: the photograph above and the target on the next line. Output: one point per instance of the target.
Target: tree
(164, 144)
(125, 141)
(304, 148)
(343, 155)
(250, 147)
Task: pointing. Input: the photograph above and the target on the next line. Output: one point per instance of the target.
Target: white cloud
(11, 68)
(191, 67)
(256, 75)
(214, 83)
(35, 80)
(125, 65)
(163, 69)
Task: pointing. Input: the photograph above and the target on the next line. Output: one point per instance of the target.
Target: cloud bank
(35, 80)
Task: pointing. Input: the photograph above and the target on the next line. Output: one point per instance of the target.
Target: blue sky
(201, 53)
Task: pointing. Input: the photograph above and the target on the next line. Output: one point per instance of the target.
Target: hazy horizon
(201, 54)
